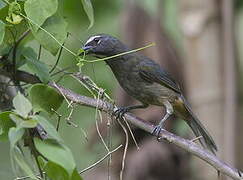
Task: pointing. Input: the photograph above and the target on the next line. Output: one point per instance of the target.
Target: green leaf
(2, 31)
(88, 8)
(38, 11)
(23, 123)
(24, 166)
(17, 158)
(42, 162)
(76, 175)
(57, 153)
(14, 7)
(28, 123)
(55, 171)
(2, 4)
(8, 40)
(22, 105)
(49, 128)
(53, 35)
(17, 119)
(14, 135)
(35, 65)
(5, 124)
(44, 98)
(3, 13)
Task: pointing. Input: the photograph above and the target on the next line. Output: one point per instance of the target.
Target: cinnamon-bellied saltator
(147, 82)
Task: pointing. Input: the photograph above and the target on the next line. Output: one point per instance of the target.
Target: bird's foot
(119, 113)
(156, 131)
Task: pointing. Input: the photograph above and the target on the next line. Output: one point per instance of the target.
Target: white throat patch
(91, 39)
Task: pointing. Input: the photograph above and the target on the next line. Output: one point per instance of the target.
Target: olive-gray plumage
(146, 81)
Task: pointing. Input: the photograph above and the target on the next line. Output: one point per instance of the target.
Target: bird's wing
(152, 72)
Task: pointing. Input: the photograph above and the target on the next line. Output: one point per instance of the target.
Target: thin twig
(97, 126)
(133, 137)
(64, 70)
(69, 103)
(118, 55)
(58, 118)
(84, 133)
(109, 142)
(39, 52)
(58, 58)
(125, 148)
(27, 177)
(48, 33)
(99, 161)
(68, 119)
(196, 138)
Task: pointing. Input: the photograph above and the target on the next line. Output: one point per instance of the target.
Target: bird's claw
(156, 131)
(119, 113)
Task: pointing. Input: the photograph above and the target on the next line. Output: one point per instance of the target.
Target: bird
(145, 80)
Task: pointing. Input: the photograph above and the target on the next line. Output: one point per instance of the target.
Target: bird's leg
(122, 110)
(169, 111)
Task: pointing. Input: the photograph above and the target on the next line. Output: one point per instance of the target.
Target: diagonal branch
(185, 144)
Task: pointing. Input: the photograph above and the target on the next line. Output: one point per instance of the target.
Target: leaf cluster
(41, 21)
(22, 21)
(54, 157)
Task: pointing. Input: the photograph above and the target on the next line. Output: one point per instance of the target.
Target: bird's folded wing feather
(153, 73)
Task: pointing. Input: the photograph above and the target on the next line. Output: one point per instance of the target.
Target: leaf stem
(99, 161)
(120, 54)
(32, 22)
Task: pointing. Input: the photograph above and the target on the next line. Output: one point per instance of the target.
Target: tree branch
(185, 144)
(22, 76)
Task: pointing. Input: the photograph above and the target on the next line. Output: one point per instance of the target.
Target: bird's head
(103, 45)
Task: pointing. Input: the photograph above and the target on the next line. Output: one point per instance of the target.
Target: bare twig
(97, 112)
(84, 134)
(39, 52)
(27, 177)
(69, 118)
(125, 148)
(109, 144)
(99, 161)
(196, 138)
(58, 58)
(133, 137)
(58, 118)
(64, 70)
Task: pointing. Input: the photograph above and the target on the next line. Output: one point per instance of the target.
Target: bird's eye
(97, 40)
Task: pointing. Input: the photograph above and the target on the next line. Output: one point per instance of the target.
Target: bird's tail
(199, 130)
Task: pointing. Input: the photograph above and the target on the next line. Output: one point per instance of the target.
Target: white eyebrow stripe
(91, 39)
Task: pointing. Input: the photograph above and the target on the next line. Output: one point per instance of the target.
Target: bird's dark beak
(86, 49)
